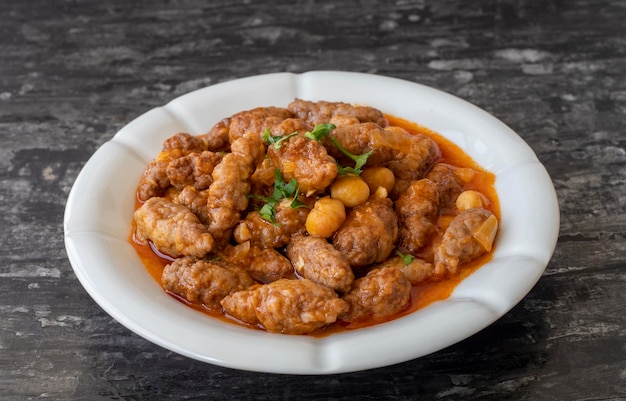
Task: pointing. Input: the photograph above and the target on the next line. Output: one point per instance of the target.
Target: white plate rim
(99, 207)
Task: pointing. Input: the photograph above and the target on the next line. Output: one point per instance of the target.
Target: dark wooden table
(74, 72)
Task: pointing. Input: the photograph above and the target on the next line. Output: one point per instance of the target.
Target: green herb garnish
(282, 190)
(359, 160)
(320, 131)
(276, 140)
(406, 258)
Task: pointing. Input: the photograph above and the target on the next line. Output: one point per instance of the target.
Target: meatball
(317, 260)
(228, 194)
(422, 153)
(154, 181)
(415, 270)
(364, 137)
(263, 264)
(448, 184)
(462, 243)
(194, 200)
(217, 138)
(380, 293)
(305, 160)
(256, 121)
(417, 207)
(322, 112)
(286, 306)
(288, 221)
(173, 229)
(369, 233)
(205, 282)
(193, 169)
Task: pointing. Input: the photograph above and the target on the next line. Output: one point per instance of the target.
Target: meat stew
(314, 218)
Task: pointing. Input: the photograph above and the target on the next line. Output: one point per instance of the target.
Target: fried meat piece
(194, 200)
(370, 231)
(255, 120)
(193, 169)
(469, 235)
(155, 179)
(205, 282)
(305, 160)
(172, 228)
(286, 306)
(317, 260)
(263, 264)
(322, 112)
(422, 153)
(217, 138)
(408, 156)
(417, 270)
(228, 194)
(380, 293)
(448, 183)
(417, 208)
(364, 137)
(288, 221)
(185, 142)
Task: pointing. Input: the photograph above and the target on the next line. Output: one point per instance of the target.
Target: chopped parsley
(277, 141)
(359, 160)
(321, 131)
(282, 190)
(407, 259)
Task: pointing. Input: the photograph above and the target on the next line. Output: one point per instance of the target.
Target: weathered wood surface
(73, 72)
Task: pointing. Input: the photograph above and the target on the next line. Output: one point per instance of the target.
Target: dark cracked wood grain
(74, 72)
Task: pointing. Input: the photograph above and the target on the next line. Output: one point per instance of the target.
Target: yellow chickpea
(351, 190)
(326, 217)
(378, 176)
(470, 200)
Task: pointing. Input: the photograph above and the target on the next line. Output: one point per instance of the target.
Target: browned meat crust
(256, 120)
(416, 271)
(265, 234)
(193, 169)
(369, 233)
(287, 306)
(205, 282)
(317, 260)
(322, 112)
(173, 229)
(458, 245)
(417, 208)
(305, 160)
(448, 184)
(263, 264)
(228, 194)
(380, 293)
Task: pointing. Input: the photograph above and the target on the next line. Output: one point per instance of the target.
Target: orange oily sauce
(423, 294)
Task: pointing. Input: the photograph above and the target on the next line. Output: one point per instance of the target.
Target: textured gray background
(74, 72)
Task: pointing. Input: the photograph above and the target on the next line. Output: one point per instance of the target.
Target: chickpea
(470, 200)
(378, 176)
(326, 217)
(351, 190)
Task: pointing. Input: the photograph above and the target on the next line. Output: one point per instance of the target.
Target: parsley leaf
(320, 131)
(282, 190)
(359, 160)
(276, 140)
(268, 212)
(406, 258)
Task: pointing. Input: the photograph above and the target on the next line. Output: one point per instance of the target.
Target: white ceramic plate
(100, 206)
